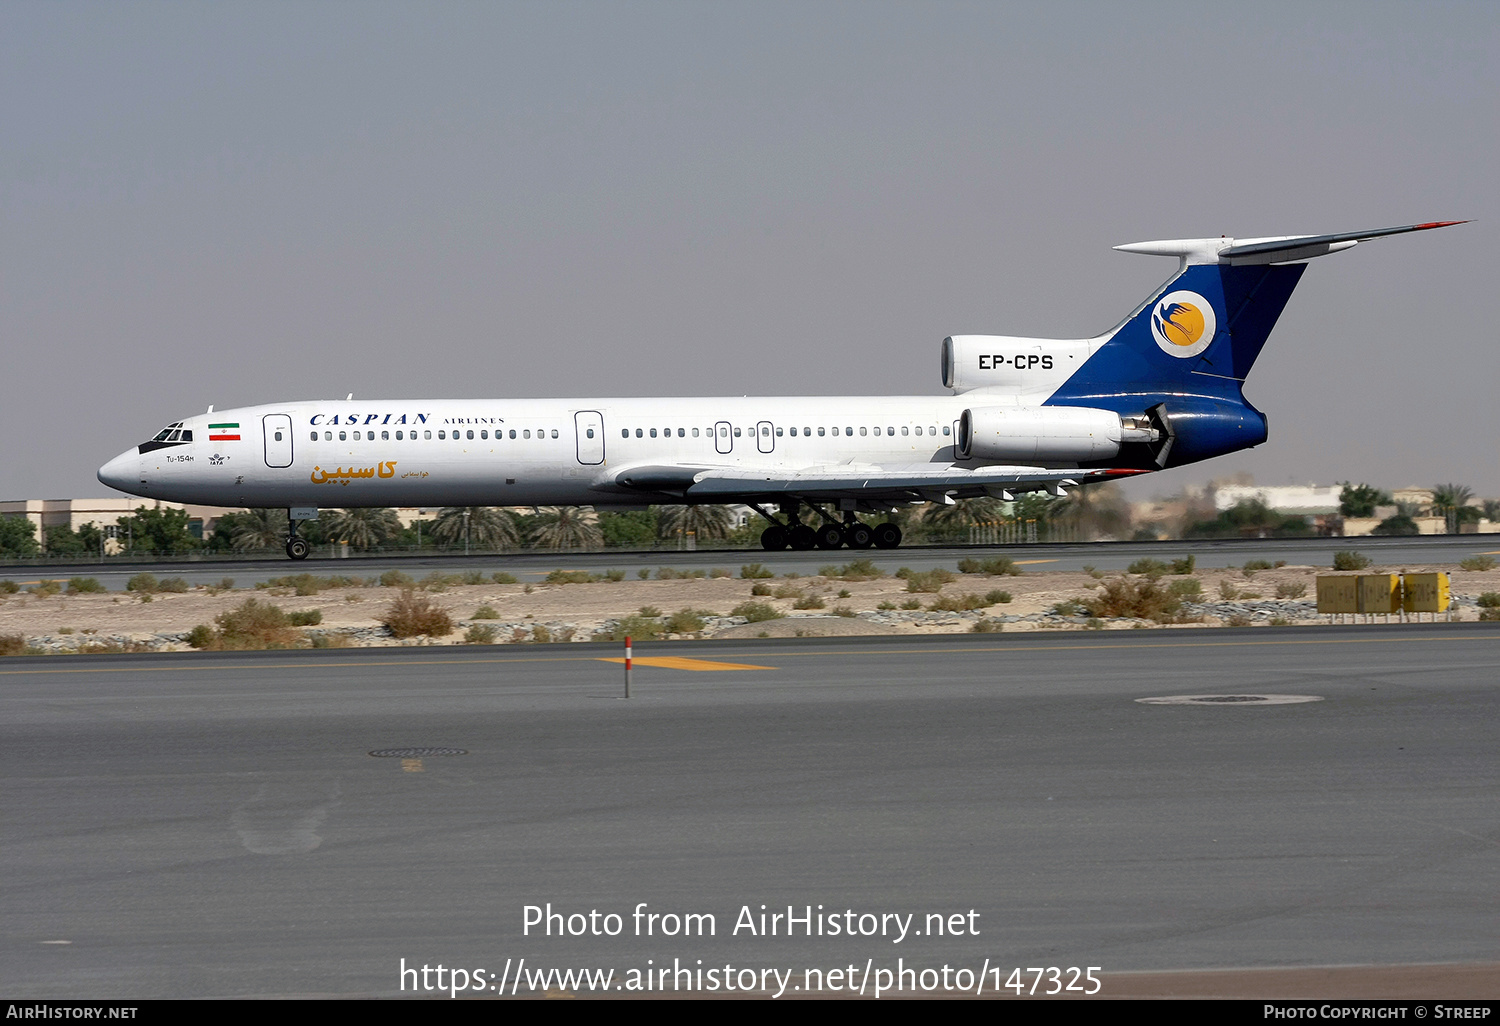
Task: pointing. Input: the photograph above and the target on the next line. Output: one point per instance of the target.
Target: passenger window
(314, 436)
(905, 430)
(484, 434)
(526, 433)
(624, 432)
(724, 432)
(639, 433)
(821, 432)
(278, 436)
(356, 436)
(398, 436)
(849, 431)
(931, 430)
(470, 433)
(682, 433)
(695, 432)
(919, 429)
(653, 432)
(736, 432)
(327, 436)
(512, 432)
(590, 432)
(945, 429)
(427, 434)
(343, 436)
(862, 432)
(554, 432)
(442, 435)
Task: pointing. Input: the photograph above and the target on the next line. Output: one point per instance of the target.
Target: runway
(213, 824)
(534, 565)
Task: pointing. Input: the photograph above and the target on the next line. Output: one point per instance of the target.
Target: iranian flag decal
(223, 432)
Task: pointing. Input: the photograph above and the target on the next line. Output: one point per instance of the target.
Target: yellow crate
(1338, 594)
(1425, 593)
(1379, 593)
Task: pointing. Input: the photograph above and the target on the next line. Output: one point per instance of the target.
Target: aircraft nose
(123, 471)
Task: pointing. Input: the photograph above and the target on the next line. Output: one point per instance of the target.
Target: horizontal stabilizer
(1274, 250)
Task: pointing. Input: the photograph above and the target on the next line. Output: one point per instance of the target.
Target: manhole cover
(416, 753)
(1230, 699)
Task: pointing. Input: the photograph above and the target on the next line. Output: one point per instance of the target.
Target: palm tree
(702, 521)
(566, 527)
(1451, 501)
(962, 515)
(362, 528)
(487, 527)
(1097, 510)
(258, 529)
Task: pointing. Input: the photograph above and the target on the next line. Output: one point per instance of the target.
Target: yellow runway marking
(682, 663)
(1032, 562)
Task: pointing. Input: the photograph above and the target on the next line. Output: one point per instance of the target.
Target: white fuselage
(519, 452)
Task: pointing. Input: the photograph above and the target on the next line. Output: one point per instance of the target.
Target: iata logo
(1183, 324)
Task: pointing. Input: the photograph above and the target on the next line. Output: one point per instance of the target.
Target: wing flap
(903, 484)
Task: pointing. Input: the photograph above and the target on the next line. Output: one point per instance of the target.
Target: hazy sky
(239, 203)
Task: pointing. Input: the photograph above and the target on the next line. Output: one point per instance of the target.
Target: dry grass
(413, 615)
(1143, 599)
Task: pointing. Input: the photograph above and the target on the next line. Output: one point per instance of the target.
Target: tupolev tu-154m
(1162, 389)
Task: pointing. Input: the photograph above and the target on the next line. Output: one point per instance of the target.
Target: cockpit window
(164, 435)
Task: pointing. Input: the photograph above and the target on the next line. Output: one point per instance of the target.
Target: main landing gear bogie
(829, 535)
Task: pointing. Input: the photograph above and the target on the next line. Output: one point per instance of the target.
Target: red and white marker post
(627, 666)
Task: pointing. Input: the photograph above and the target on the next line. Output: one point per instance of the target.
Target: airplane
(1162, 389)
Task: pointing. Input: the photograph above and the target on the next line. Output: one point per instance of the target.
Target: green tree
(633, 529)
(703, 521)
(18, 536)
(488, 527)
(566, 527)
(1451, 502)
(1249, 519)
(944, 521)
(163, 530)
(253, 529)
(362, 528)
(1360, 500)
(61, 541)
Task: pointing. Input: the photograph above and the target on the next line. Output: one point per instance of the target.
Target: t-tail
(1174, 369)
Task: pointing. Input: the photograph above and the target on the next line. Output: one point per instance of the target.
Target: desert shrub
(571, 577)
(687, 621)
(643, 573)
(929, 581)
(752, 571)
(305, 617)
(438, 582)
(760, 589)
(1291, 590)
(1349, 560)
(790, 591)
(650, 611)
(331, 641)
(637, 628)
(1145, 599)
(45, 588)
(201, 636)
(886, 604)
(473, 577)
(540, 634)
(1280, 621)
(903, 572)
(481, 634)
(997, 597)
(85, 586)
(957, 603)
(351, 597)
(809, 602)
(1489, 614)
(912, 604)
(412, 615)
(254, 624)
(12, 644)
(501, 577)
(226, 584)
(395, 579)
(984, 625)
(720, 571)
(1189, 590)
(9, 587)
(1068, 607)
(666, 573)
(1000, 566)
(1152, 568)
(1228, 591)
(854, 570)
(1184, 566)
(175, 585)
(755, 612)
(341, 581)
(1249, 594)
(528, 589)
(1253, 565)
(144, 583)
(1489, 600)
(303, 584)
(1237, 620)
(1477, 563)
(842, 611)
(485, 612)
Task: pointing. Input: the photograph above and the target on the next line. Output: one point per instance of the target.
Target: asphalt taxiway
(214, 824)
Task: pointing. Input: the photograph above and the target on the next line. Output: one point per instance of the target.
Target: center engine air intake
(1039, 434)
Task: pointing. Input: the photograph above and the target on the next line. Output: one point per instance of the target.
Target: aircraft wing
(916, 483)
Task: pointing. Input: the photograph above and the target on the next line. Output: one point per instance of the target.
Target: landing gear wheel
(830, 536)
(803, 538)
(297, 548)
(887, 536)
(773, 538)
(858, 536)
